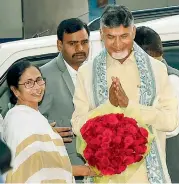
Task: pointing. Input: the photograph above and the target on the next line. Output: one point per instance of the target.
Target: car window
(4, 92)
(40, 59)
(171, 53)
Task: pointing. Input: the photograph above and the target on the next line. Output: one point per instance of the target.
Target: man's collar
(71, 70)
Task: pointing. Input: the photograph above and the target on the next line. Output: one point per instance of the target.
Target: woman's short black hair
(13, 76)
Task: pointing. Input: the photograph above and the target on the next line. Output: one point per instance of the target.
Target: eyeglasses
(31, 83)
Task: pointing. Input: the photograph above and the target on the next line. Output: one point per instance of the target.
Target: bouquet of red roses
(114, 144)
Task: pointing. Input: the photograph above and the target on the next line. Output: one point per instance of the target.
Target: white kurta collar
(72, 72)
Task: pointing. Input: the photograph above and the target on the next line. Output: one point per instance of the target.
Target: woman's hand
(82, 170)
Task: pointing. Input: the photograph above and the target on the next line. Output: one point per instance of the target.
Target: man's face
(74, 47)
(118, 41)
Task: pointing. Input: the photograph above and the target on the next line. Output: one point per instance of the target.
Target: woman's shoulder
(17, 121)
(24, 120)
(18, 111)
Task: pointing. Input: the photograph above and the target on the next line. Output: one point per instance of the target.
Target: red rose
(121, 168)
(127, 120)
(99, 139)
(107, 132)
(138, 158)
(88, 152)
(116, 151)
(116, 161)
(108, 171)
(143, 131)
(129, 160)
(103, 162)
(105, 122)
(86, 127)
(94, 143)
(106, 141)
(120, 131)
(105, 145)
(92, 161)
(139, 141)
(117, 139)
(112, 119)
(131, 129)
(87, 137)
(129, 152)
(98, 119)
(120, 116)
(99, 154)
(128, 141)
(99, 129)
(132, 121)
(140, 149)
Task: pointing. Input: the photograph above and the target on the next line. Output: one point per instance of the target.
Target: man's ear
(59, 45)
(134, 32)
(101, 35)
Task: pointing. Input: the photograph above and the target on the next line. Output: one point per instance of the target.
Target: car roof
(167, 27)
(9, 48)
(164, 27)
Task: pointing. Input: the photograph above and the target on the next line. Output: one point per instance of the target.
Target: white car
(41, 50)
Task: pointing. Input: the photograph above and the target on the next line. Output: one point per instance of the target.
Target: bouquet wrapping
(114, 142)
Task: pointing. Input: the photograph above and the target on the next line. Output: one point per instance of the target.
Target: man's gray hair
(116, 15)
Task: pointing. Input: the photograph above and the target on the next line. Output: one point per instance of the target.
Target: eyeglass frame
(24, 84)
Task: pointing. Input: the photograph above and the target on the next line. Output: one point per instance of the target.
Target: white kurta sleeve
(162, 115)
(175, 83)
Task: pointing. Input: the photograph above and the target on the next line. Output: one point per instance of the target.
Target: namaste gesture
(117, 95)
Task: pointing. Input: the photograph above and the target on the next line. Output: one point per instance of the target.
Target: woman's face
(31, 87)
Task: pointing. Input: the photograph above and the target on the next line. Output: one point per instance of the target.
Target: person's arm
(81, 104)
(82, 170)
(163, 114)
(174, 79)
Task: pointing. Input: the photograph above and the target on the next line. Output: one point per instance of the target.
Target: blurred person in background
(150, 42)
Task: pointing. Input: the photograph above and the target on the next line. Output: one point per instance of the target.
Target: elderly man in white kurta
(125, 76)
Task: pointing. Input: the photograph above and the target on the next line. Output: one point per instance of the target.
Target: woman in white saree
(38, 153)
